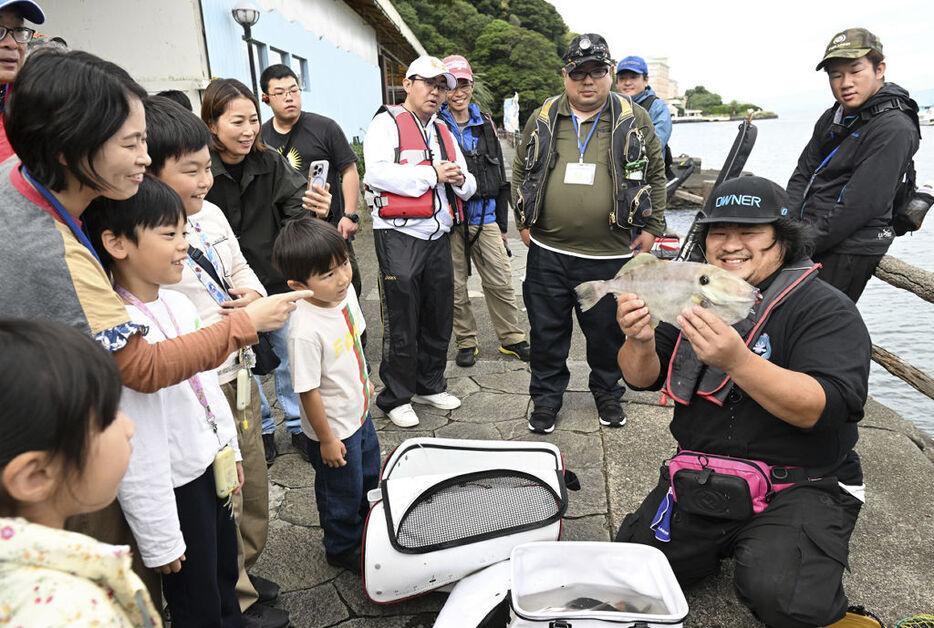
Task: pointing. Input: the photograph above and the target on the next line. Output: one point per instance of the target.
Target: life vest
(688, 376)
(631, 204)
(413, 149)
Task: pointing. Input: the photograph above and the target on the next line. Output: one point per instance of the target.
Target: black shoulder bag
(266, 358)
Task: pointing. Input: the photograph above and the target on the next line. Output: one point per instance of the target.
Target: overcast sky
(762, 52)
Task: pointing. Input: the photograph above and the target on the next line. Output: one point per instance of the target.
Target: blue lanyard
(62, 213)
(583, 147)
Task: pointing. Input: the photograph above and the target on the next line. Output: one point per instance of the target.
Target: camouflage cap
(587, 47)
(852, 43)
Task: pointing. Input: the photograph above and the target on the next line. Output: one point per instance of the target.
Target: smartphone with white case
(318, 174)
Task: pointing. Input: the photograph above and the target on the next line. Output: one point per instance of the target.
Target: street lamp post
(246, 15)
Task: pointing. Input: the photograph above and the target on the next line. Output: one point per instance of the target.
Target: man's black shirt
(313, 138)
(816, 330)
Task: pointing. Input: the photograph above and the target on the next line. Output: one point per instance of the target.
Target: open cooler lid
(441, 456)
(436, 512)
(610, 582)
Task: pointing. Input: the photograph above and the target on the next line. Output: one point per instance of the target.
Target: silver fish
(670, 287)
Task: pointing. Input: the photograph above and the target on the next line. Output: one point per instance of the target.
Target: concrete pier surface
(891, 552)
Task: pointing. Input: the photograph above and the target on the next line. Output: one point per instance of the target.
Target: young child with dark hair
(63, 457)
(329, 375)
(186, 441)
(217, 276)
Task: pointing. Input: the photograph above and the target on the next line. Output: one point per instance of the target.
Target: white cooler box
(594, 585)
(451, 507)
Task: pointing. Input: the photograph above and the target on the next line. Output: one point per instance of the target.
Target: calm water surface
(897, 320)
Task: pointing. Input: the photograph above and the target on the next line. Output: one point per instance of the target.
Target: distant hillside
(512, 45)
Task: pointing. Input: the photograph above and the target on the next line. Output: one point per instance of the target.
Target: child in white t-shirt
(330, 376)
(185, 434)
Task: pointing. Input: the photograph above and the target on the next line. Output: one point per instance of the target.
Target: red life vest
(414, 150)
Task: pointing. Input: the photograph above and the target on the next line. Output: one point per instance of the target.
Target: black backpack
(905, 215)
(645, 104)
(484, 164)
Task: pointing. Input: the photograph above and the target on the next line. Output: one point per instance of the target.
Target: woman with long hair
(257, 190)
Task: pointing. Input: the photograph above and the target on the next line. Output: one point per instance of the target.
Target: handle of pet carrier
(559, 623)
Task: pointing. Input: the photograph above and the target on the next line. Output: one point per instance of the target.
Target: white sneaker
(441, 400)
(403, 416)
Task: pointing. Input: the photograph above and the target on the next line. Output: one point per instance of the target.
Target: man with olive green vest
(589, 192)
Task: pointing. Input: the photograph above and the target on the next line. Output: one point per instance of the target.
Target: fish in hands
(668, 288)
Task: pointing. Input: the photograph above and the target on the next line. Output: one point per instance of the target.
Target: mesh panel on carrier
(478, 506)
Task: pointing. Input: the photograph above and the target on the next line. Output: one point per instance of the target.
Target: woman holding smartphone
(257, 190)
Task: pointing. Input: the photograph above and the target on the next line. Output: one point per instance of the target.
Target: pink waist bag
(693, 468)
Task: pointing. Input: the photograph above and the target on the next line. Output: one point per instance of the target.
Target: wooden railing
(902, 275)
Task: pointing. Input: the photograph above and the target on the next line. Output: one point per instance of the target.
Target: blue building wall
(340, 84)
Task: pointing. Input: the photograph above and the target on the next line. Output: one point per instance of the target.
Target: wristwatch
(354, 217)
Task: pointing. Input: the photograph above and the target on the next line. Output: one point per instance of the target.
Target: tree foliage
(518, 60)
(734, 108)
(700, 98)
(542, 17)
(512, 45)
(711, 103)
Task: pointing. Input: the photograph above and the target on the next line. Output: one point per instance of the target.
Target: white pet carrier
(451, 507)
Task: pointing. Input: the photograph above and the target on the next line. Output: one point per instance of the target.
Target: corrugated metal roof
(393, 33)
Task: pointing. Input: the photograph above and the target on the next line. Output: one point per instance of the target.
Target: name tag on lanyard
(580, 173)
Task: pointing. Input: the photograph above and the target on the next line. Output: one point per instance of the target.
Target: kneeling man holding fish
(765, 418)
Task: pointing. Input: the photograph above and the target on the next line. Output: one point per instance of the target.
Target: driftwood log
(915, 377)
(903, 275)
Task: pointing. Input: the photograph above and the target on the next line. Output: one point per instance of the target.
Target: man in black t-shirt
(304, 137)
(780, 393)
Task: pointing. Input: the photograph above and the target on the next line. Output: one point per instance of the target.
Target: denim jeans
(341, 491)
(288, 400)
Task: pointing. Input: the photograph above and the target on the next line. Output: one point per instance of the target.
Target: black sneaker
(519, 350)
(610, 411)
(262, 616)
(542, 420)
(269, 444)
(267, 590)
(349, 560)
(300, 443)
(467, 357)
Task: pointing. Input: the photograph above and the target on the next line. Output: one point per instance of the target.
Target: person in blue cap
(14, 36)
(632, 79)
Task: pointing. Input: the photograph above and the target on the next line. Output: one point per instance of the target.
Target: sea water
(898, 320)
(577, 597)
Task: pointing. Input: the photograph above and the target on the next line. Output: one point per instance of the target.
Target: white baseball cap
(430, 67)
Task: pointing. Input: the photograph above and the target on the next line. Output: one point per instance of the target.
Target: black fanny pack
(711, 494)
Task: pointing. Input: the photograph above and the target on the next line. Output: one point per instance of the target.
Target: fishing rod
(732, 168)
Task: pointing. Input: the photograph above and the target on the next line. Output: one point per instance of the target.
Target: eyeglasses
(463, 87)
(21, 34)
(282, 92)
(441, 87)
(596, 73)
